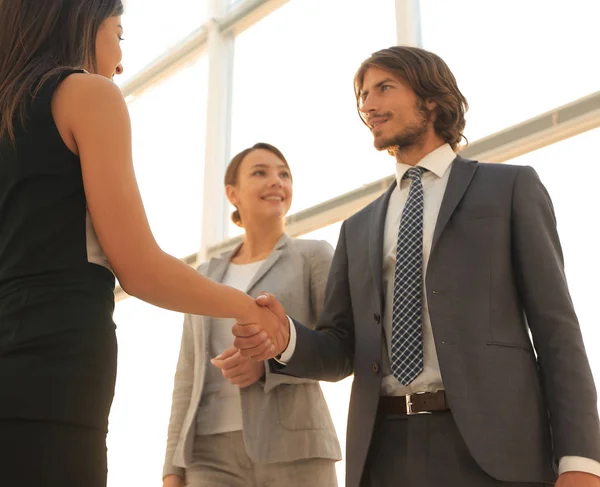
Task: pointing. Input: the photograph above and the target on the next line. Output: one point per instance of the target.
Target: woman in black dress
(71, 218)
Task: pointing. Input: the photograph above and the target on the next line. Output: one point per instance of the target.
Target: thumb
(217, 361)
(225, 354)
(269, 301)
(265, 299)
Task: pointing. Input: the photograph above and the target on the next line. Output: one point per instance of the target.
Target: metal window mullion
(218, 130)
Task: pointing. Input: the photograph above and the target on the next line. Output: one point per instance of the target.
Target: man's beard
(411, 136)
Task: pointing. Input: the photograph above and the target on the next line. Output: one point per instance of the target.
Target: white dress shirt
(435, 180)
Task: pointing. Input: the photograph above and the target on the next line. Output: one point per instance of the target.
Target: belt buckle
(409, 410)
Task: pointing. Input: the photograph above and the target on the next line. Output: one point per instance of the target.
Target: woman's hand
(239, 371)
(173, 481)
(262, 340)
(264, 332)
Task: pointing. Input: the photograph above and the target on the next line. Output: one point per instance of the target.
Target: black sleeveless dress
(58, 348)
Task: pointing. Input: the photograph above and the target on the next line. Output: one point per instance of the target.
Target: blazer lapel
(215, 271)
(462, 172)
(376, 228)
(274, 256)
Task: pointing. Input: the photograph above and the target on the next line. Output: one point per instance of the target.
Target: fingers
(265, 355)
(265, 299)
(230, 352)
(245, 375)
(232, 372)
(239, 378)
(249, 343)
(241, 330)
(267, 332)
(269, 301)
(249, 348)
(227, 360)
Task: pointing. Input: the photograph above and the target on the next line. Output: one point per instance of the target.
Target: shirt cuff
(287, 354)
(578, 464)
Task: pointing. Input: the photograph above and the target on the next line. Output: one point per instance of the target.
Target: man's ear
(431, 105)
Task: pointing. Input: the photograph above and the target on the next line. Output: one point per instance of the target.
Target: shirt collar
(437, 162)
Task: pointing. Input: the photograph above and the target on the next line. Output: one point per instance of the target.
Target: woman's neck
(258, 243)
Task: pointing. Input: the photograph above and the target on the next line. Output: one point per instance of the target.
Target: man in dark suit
(447, 300)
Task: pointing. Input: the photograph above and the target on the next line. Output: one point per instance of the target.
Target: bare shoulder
(78, 99)
(85, 84)
(81, 92)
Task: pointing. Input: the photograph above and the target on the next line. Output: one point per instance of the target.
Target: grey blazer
(495, 276)
(284, 418)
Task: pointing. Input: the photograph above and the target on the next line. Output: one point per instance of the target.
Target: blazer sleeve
(565, 372)
(327, 353)
(320, 257)
(182, 391)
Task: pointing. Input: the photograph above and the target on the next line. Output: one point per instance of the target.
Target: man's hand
(263, 329)
(173, 481)
(577, 479)
(238, 370)
(256, 344)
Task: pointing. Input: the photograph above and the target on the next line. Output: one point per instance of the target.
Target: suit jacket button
(377, 318)
(375, 367)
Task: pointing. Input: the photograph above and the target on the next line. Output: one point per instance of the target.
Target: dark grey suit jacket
(495, 277)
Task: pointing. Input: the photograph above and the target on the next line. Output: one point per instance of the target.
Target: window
(514, 60)
(149, 340)
(234, 3)
(168, 124)
(330, 233)
(292, 87)
(153, 26)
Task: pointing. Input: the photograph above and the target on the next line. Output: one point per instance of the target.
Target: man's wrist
(287, 343)
(287, 354)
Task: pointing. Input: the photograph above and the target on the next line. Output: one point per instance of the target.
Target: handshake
(264, 332)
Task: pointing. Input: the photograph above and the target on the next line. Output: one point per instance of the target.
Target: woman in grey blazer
(234, 423)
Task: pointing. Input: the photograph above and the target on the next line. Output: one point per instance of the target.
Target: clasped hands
(263, 334)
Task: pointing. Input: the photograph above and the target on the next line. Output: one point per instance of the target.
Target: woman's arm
(97, 116)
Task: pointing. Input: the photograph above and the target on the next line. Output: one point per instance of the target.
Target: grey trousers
(424, 451)
(221, 461)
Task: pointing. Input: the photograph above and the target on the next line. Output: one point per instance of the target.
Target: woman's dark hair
(231, 174)
(39, 38)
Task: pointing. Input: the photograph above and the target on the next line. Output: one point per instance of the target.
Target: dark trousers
(424, 451)
(47, 454)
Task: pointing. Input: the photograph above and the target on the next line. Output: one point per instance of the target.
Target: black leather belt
(419, 403)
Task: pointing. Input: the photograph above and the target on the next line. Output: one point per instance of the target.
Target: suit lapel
(218, 266)
(215, 271)
(461, 174)
(274, 256)
(376, 229)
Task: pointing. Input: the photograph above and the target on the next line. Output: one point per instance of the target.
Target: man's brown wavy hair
(430, 78)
